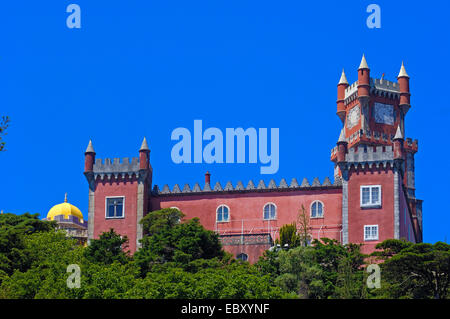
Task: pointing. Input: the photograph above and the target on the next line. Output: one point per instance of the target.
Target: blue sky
(144, 68)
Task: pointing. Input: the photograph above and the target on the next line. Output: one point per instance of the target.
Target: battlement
(116, 165)
(351, 89)
(370, 154)
(377, 87)
(261, 187)
(384, 85)
(374, 137)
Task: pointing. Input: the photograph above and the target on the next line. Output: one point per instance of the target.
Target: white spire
(403, 72)
(343, 79)
(398, 134)
(144, 146)
(363, 64)
(90, 148)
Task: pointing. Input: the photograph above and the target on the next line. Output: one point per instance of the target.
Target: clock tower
(373, 113)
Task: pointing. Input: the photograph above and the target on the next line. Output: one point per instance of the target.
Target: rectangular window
(371, 196)
(114, 207)
(371, 232)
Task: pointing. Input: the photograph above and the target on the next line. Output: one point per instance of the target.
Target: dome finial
(65, 198)
(363, 64)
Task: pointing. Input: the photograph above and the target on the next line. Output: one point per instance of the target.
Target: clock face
(384, 113)
(353, 116)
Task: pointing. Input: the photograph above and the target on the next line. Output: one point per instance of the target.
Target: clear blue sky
(144, 68)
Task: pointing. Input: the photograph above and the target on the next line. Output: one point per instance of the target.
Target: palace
(372, 197)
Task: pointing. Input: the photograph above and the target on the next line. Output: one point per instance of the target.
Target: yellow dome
(65, 209)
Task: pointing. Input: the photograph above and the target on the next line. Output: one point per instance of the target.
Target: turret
(207, 178)
(398, 144)
(144, 155)
(363, 79)
(342, 147)
(89, 158)
(342, 85)
(403, 82)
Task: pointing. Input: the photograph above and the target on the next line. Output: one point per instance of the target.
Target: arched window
(178, 219)
(316, 209)
(270, 211)
(242, 256)
(223, 213)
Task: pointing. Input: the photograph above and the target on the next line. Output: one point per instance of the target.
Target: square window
(371, 232)
(114, 207)
(371, 196)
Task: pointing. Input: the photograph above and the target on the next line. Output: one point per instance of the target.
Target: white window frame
(371, 238)
(217, 213)
(323, 209)
(370, 204)
(174, 207)
(106, 207)
(276, 211)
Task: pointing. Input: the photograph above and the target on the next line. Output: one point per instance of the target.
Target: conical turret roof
(363, 64)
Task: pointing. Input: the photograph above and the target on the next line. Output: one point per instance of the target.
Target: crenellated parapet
(251, 187)
(378, 87)
(365, 156)
(369, 137)
(125, 168)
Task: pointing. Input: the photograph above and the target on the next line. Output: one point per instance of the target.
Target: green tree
(288, 236)
(108, 248)
(217, 281)
(169, 240)
(13, 231)
(48, 253)
(414, 270)
(324, 269)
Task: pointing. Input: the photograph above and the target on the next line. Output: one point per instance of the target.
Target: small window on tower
(371, 232)
(371, 196)
(114, 207)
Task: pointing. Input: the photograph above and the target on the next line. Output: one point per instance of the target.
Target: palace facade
(371, 198)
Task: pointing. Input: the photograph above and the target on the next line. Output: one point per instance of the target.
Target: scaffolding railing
(270, 226)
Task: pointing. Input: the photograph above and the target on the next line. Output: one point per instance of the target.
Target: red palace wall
(383, 217)
(124, 226)
(246, 212)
